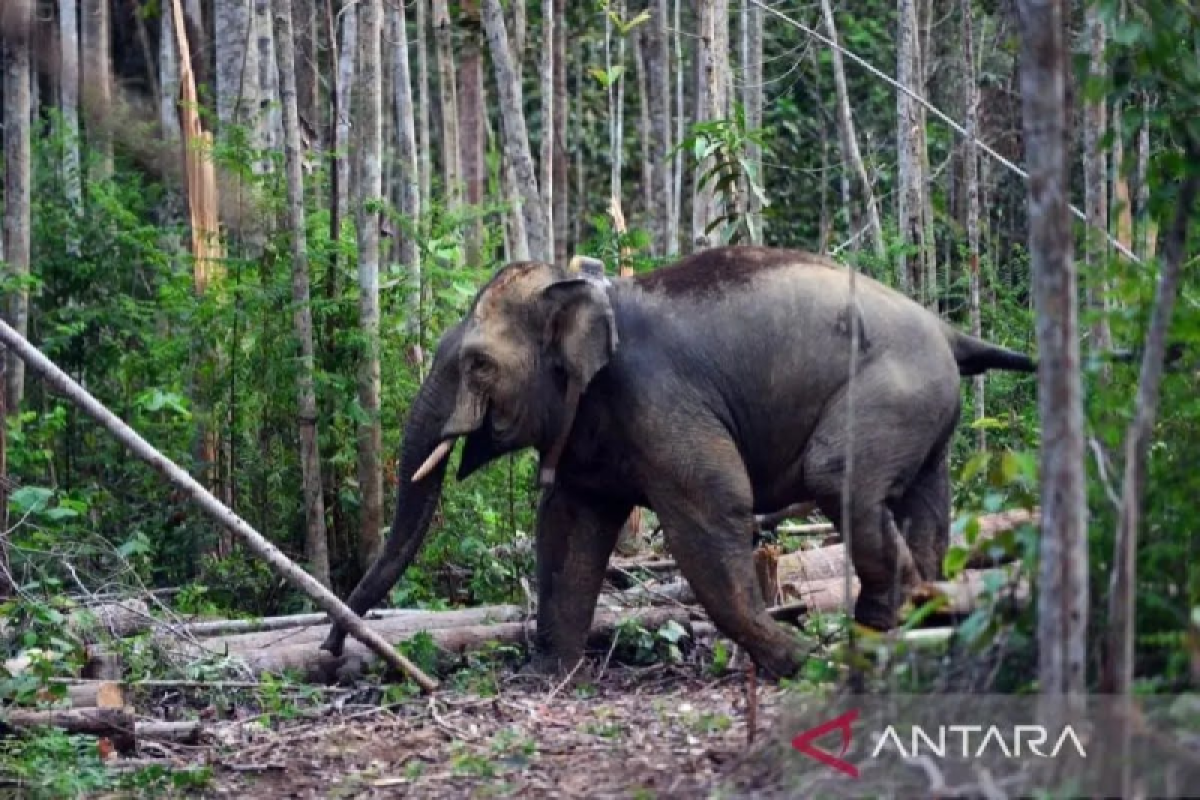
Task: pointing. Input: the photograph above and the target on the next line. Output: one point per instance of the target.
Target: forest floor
(653, 732)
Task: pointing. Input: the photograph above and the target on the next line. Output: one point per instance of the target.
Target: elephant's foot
(780, 653)
(335, 641)
(876, 611)
(550, 664)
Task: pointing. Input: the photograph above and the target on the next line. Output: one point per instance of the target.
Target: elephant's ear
(580, 326)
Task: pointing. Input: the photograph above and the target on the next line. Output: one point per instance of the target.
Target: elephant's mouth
(490, 440)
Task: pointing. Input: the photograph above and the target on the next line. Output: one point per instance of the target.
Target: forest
(237, 234)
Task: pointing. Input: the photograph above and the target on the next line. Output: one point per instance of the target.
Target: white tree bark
(96, 39)
(346, 60)
(18, 111)
(425, 147)
(676, 219)
(1063, 568)
(68, 83)
(752, 77)
(211, 506)
(712, 54)
(168, 77)
(971, 178)
(658, 90)
(546, 184)
(316, 540)
(406, 152)
(368, 155)
(1095, 180)
(235, 59)
(516, 137)
(908, 159)
(448, 102)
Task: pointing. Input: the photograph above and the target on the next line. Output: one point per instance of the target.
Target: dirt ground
(654, 732)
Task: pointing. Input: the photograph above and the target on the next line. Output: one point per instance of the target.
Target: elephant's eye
(480, 368)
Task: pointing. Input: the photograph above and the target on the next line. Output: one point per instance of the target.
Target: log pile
(645, 592)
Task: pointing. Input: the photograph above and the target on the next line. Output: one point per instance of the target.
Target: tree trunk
(546, 182)
(849, 143)
(308, 78)
(18, 111)
(368, 146)
(1063, 568)
(1118, 668)
(971, 178)
(269, 126)
(316, 540)
(658, 91)
(1148, 240)
(646, 185)
(560, 178)
(471, 133)
(406, 151)
(346, 57)
(168, 76)
(451, 172)
(97, 50)
(616, 102)
(909, 213)
(516, 138)
(712, 55)
(425, 147)
(68, 83)
(752, 77)
(1095, 176)
(236, 60)
(1120, 207)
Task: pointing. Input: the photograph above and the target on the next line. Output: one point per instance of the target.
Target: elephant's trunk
(416, 501)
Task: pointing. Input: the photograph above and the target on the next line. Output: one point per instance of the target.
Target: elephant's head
(508, 376)
(531, 343)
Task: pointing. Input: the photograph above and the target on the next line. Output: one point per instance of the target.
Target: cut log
(115, 724)
(392, 628)
(831, 561)
(319, 666)
(180, 732)
(90, 694)
(959, 597)
(226, 627)
(117, 618)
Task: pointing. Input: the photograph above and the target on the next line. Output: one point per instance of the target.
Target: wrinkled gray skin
(712, 390)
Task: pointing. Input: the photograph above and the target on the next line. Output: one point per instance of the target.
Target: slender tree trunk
(168, 76)
(546, 183)
(518, 37)
(1118, 668)
(316, 540)
(97, 51)
(1121, 208)
(752, 76)
(470, 121)
(18, 112)
(451, 171)
(643, 125)
(235, 61)
(1149, 228)
(1063, 571)
(849, 140)
(308, 79)
(516, 137)
(676, 220)
(1095, 176)
(368, 146)
(658, 91)
(712, 54)
(425, 146)
(346, 55)
(560, 178)
(68, 83)
(971, 178)
(270, 123)
(406, 152)
(909, 189)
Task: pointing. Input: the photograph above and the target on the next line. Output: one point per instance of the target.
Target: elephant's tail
(975, 356)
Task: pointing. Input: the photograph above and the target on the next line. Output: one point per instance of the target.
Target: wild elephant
(708, 391)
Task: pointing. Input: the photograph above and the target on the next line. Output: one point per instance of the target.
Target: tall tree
(471, 111)
(68, 87)
(752, 79)
(424, 146)
(1063, 568)
(910, 187)
(658, 90)
(561, 193)
(848, 139)
(451, 169)
(971, 179)
(368, 183)
(168, 75)
(516, 136)
(316, 540)
(1095, 180)
(96, 41)
(18, 25)
(346, 38)
(712, 55)
(406, 151)
(546, 182)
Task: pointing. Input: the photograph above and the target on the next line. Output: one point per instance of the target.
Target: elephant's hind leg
(923, 515)
(576, 534)
(706, 510)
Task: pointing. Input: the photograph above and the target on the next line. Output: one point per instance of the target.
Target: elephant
(707, 390)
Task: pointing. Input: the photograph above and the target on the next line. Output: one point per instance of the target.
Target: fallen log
(320, 666)
(115, 724)
(117, 618)
(390, 628)
(959, 597)
(89, 694)
(227, 627)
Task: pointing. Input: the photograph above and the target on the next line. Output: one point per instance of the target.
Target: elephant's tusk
(434, 459)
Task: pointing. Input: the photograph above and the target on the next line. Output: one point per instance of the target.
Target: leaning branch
(213, 507)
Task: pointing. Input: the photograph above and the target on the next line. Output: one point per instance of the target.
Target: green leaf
(29, 499)
(672, 631)
(955, 561)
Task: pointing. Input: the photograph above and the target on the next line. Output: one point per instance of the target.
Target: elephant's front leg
(576, 533)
